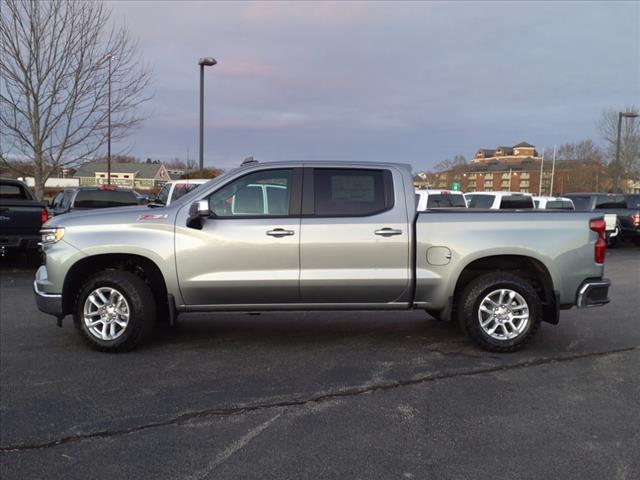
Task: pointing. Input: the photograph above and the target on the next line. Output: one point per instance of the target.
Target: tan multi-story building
(518, 152)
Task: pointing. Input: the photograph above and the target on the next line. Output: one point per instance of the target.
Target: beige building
(141, 176)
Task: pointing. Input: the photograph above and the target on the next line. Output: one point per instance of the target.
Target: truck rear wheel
(115, 311)
(500, 312)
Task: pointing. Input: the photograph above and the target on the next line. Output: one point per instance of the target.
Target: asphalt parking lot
(323, 395)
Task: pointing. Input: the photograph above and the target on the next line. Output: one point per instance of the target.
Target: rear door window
(559, 205)
(481, 201)
(633, 201)
(104, 198)
(12, 192)
(516, 201)
(610, 202)
(352, 192)
(445, 200)
(582, 203)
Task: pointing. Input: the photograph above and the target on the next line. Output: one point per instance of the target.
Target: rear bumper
(47, 302)
(593, 293)
(22, 242)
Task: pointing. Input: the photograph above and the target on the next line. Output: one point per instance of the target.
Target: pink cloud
(244, 68)
(312, 11)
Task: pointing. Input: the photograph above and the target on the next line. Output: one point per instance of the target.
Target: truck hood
(113, 216)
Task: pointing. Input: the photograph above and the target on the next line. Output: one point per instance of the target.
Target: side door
(355, 237)
(247, 251)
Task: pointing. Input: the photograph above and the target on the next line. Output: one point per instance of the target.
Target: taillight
(44, 216)
(635, 219)
(598, 225)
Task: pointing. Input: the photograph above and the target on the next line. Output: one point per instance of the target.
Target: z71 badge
(152, 216)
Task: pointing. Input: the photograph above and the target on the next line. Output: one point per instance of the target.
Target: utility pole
(541, 172)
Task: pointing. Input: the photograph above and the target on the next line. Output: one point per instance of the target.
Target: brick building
(518, 169)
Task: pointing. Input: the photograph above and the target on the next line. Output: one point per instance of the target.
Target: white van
(499, 200)
(174, 189)
(553, 203)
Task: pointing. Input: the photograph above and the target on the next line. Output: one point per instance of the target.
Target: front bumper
(47, 302)
(593, 293)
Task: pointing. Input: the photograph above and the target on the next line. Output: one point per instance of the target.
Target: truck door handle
(279, 232)
(388, 232)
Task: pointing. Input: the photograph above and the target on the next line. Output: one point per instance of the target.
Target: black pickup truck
(625, 206)
(21, 217)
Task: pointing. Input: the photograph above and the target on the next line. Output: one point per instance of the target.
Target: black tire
(469, 311)
(141, 309)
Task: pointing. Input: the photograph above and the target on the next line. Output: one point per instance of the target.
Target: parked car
(174, 189)
(553, 203)
(500, 200)
(143, 198)
(427, 199)
(563, 203)
(88, 198)
(625, 207)
(347, 237)
(21, 217)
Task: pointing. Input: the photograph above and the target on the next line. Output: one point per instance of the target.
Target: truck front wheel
(500, 312)
(114, 311)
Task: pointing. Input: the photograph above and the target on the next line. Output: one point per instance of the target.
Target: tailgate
(610, 220)
(21, 220)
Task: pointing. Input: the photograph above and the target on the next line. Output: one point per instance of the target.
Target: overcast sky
(409, 82)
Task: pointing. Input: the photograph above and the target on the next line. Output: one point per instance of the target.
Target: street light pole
(109, 56)
(616, 184)
(209, 62)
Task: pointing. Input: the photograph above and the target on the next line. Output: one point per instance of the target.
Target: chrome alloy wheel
(503, 314)
(106, 313)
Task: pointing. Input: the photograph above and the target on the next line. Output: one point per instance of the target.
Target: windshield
(163, 194)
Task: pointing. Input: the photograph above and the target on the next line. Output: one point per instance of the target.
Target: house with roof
(141, 176)
(516, 153)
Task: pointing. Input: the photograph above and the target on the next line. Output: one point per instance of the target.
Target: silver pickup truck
(318, 236)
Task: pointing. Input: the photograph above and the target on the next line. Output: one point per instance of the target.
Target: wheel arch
(523, 266)
(140, 265)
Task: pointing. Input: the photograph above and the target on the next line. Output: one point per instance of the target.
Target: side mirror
(198, 211)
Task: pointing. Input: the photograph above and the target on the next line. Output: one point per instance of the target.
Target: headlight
(51, 235)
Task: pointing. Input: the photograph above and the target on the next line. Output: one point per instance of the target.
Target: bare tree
(448, 164)
(55, 59)
(579, 167)
(583, 151)
(629, 164)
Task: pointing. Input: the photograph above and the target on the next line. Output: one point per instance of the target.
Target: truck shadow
(305, 328)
